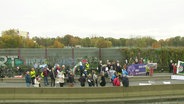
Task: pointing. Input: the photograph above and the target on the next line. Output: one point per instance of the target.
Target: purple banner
(136, 69)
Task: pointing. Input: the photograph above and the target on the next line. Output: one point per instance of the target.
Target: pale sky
(159, 19)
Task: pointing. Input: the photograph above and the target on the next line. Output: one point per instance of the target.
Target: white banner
(180, 67)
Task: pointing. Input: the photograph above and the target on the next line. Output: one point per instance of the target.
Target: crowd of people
(112, 71)
(52, 76)
(56, 75)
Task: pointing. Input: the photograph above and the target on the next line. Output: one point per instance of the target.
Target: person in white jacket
(60, 78)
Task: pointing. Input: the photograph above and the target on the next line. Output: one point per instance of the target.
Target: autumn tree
(57, 44)
(10, 39)
(102, 43)
(74, 41)
(156, 45)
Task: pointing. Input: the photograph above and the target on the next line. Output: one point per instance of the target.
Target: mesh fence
(67, 56)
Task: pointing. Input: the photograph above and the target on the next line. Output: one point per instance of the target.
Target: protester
(113, 77)
(37, 81)
(102, 80)
(81, 68)
(52, 77)
(33, 75)
(171, 66)
(71, 79)
(60, 78)
(28, 79)
(151, 71)
(82, 80)
(90, 80)
(45, 74)
(95, 78)
(19, 71)
(87, 68)
(147, 70)
(116, 81)
(125, 80)
(63, 68)
(118, 68)
(99, 68)
(112, 73)
(175, 68)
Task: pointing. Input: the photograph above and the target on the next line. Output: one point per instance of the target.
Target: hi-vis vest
(87, 66)
(42, 74)
(33, 74)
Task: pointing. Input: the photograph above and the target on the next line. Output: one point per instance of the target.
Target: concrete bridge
(134, 94)
(93, 95)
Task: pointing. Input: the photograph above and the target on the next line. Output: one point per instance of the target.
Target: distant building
(23, 33)
(78, 46)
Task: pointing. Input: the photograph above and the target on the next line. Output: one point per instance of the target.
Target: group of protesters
(112, 71)
(55, 73)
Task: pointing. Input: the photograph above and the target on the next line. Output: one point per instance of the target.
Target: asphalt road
(144, 81)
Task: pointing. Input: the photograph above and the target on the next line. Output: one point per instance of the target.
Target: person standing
(113, 77)
(61, 78)
(82, 80)
(118, 68)
(81, 68)
(99, 67)
(95, 78)
(71, 79)
(102, 80)
(28, 79)
(125, 80)
(19, 71)
(175, 68)
(52, 77)
(87, 68)
(147, 70)
(171, 66)
(90, 80)
(33, 75)
(37, 81)
(45, 76)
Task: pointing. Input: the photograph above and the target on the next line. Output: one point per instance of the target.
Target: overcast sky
(159, 19)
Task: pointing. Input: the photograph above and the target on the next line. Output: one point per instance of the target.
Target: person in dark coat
(102, 79)
(28, 79)
(82, 80)
(171, 66)
(45, 76)
(90, 80)
(71, 79)
(53, 77)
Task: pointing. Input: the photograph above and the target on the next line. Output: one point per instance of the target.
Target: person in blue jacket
(125, 80)
(28, 79)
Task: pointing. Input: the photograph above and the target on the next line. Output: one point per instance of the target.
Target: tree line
(12, 39)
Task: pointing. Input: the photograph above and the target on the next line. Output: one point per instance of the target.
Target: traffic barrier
(158, 92)
(131, 78)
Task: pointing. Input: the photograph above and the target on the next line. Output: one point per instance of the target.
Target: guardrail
(133, 78)
(94, 94)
